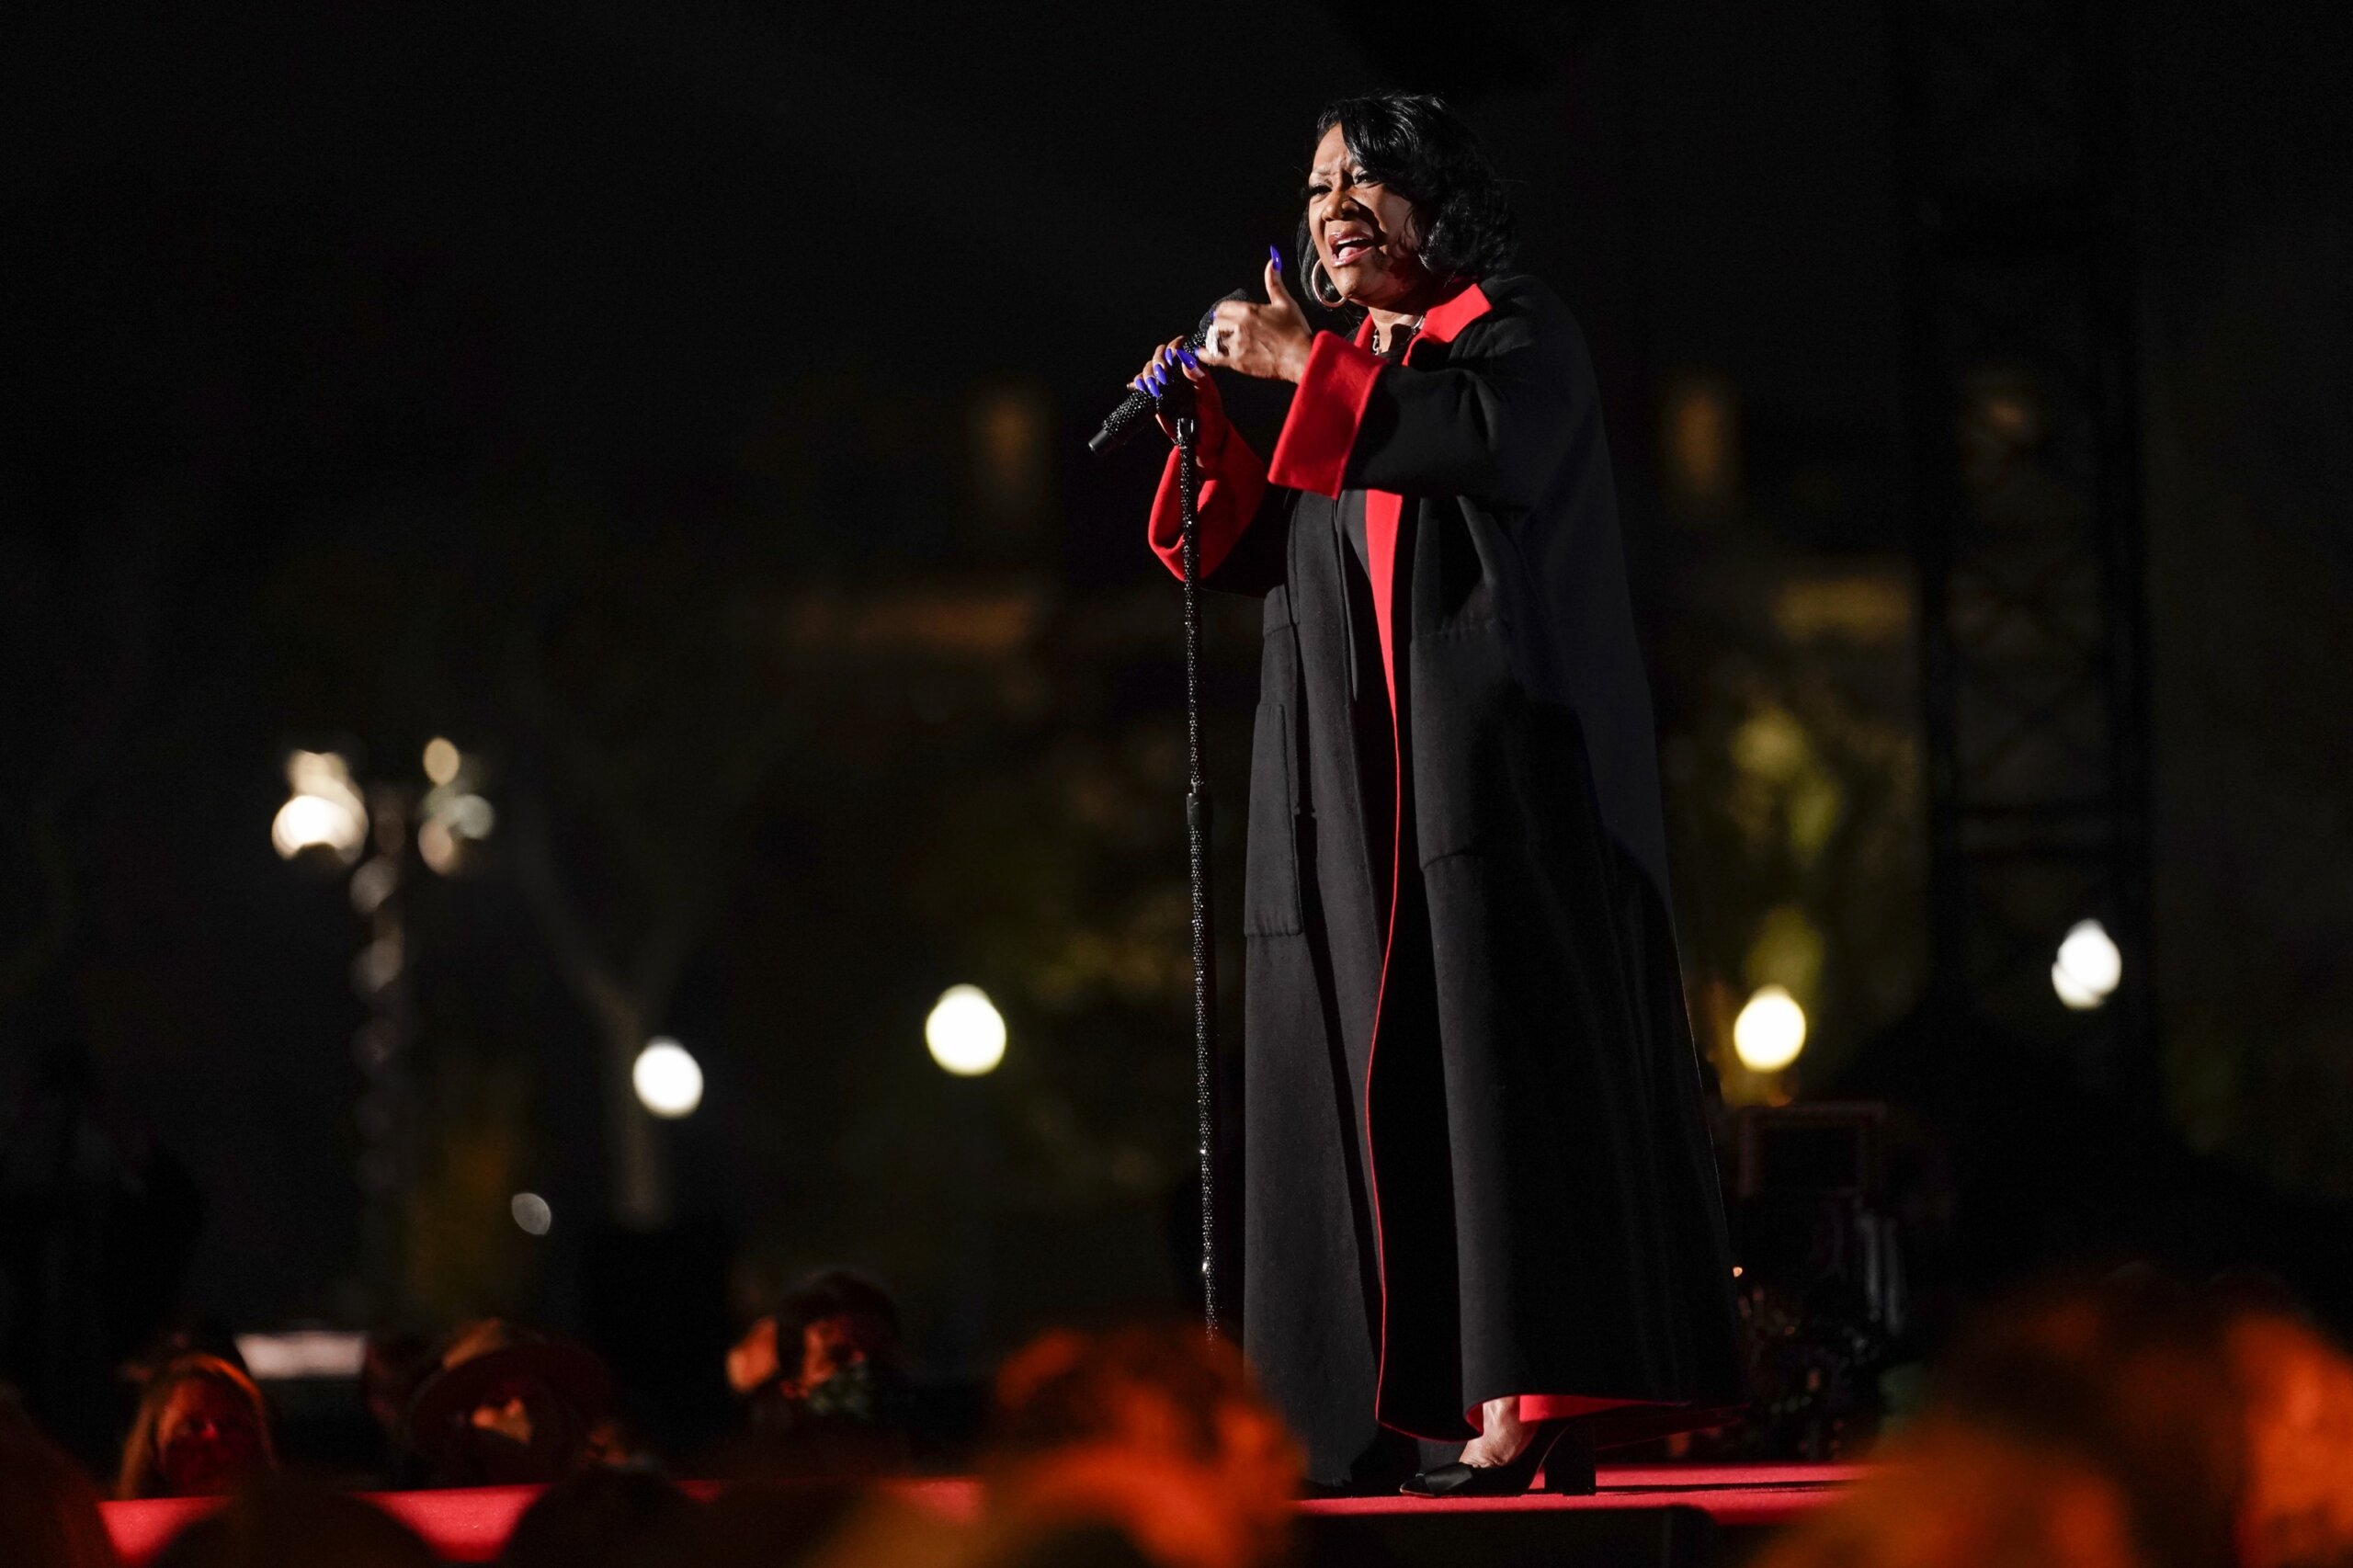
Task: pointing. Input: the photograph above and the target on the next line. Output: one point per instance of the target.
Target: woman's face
(208, 1438)
(1362, 230)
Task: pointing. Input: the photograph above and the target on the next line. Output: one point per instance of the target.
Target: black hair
(842, 1292)
(1416, 145)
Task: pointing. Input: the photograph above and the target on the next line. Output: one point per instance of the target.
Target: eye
(1314, 191)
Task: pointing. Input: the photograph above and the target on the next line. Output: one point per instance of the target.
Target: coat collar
(1441, 320)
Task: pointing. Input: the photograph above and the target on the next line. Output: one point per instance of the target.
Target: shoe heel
(1568, 1467)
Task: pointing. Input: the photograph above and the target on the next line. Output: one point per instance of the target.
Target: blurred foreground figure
(2127, 1420)
(202, 1430)
(2297, 1396)
(824, 1384)
(2128, 1376)
(1150, 1436)
(1953, 1498)
(279, 1523)
(507, 1407)
(48, 1509)
(604, 1518)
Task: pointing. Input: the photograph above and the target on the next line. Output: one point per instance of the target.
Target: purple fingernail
(1275, 256)
(1187, 355)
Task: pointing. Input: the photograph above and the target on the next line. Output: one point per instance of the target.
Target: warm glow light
(452, 821)
(1770, 1030)
(378, 966)
(668, 1080)
(324, 810)
(2090, 966)
(2074, 994)
(471, 816)
(313, 822)
(303, 1353)
(437, 847)
(965, 1032)
(1701, 429)
(531, 1212)
(441, 760)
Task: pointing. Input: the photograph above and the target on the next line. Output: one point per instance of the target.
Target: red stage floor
(470, 1526)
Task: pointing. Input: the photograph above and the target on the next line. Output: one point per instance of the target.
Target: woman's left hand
(1270, 341)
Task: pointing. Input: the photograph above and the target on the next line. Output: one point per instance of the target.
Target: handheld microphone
(1122, 421)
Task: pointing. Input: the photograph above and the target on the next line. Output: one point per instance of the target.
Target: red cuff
(1228, 499)
(1312, 453)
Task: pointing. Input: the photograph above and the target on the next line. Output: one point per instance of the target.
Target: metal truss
(2023, 407)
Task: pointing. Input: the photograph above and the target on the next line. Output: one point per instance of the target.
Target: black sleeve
(1259, 560)
(1493, 424)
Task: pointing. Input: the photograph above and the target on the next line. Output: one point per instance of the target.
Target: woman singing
(1481, 1203)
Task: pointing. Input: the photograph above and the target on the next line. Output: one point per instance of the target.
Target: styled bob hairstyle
(1417, 146)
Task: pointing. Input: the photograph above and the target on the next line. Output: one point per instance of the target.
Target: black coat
(1476, 1151)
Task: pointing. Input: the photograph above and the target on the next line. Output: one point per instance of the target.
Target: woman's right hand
(1175, 359)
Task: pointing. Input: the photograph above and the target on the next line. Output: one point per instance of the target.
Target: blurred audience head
(824, 1384)
(502, 1405)
(283, 1523)
(203, 1429)
(604, 1518)
(1946, 1496)
(833, 1321)
(1156, 1431)
(2295, 1391)
(2126, 1420)
(48, 1509)
(2126, 1375)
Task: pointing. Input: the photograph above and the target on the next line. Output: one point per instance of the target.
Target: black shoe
(1378, 1471)
(1567, 1467)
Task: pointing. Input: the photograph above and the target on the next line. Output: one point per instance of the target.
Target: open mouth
(1349, 245)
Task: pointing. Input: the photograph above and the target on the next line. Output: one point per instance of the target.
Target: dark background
(682, 408)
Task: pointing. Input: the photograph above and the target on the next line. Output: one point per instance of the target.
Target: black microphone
(1123, 420)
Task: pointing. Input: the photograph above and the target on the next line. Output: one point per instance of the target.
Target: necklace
(1388, 334)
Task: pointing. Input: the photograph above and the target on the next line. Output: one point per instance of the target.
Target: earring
(1331, 302)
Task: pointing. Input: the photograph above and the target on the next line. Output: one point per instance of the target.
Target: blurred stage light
(324, 812)
(1770, 1030)
(2089, 968)
(531, 1212)
(471, 816)
(668, 1080)
(441, 760)
(1701, 435)
(437, 847)
(374, 882)
(2074, 994)
(303, 1353)
(965, 1032)
(377, 966)
(453, 820)
(311, 821)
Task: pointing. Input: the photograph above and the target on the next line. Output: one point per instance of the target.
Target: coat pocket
(1466, 743)
(1270, 903)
